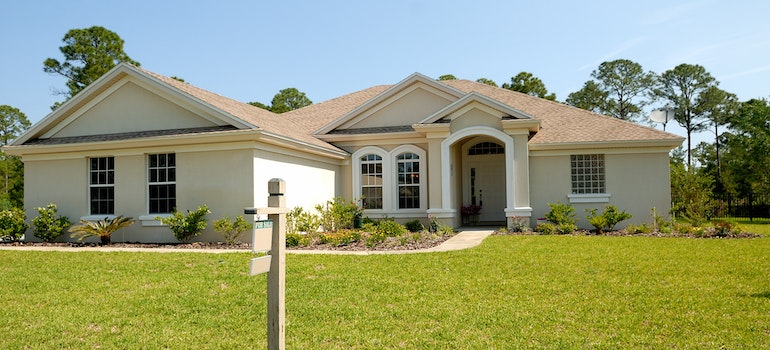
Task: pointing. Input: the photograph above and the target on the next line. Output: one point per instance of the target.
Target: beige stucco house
(139, 144)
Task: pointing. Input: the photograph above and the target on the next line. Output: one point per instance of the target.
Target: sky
(249, 50)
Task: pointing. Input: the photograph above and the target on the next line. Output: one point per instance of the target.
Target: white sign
(262, 240)
(260, 265)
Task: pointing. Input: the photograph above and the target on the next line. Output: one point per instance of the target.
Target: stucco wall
(636, 182)
(308, 182)
(407, 110)
(219, 179)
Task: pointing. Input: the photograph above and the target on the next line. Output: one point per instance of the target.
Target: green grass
(758, 226)
(511, 292)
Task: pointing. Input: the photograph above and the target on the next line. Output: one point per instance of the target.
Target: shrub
(299, 220)
(340, 238)
(607, 220)
(48, 225)
(297, 239)
(561, 214)
(414, 226)
(725, 228)
(391, 228)
(566, 228)
(101, 228)
(545, 228)
(338, 214)
(185, 227)
(13, 224)
(231, 230)
(637, 229)
(518, 226)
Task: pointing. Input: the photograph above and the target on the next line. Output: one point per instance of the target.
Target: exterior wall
(219, 179)
(308, 182)
(62, 182)
(629, 181)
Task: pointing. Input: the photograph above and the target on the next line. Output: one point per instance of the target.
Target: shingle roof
(560, 123)
(260, 118)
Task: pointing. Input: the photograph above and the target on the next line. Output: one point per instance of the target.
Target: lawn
(510, 292)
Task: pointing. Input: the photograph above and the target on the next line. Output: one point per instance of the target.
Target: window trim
(105, 185)
(149, 183)
(394, 154)
(357, 185)
(591, 197)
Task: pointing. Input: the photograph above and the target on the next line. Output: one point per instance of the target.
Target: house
(139, 144)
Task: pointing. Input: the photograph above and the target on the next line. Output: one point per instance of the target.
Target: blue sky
(249, 50)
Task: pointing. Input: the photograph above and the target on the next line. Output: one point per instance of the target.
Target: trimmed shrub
(545, 228)
(185, 227)
(231, 230)
(48, 224)
(13, 224)
(414, 226)
(608, 219)
(561, 214)
(391, 228)
(566, 228)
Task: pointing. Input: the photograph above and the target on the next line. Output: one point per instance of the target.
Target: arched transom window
(483, 148)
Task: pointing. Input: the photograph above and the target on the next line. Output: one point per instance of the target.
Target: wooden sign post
(274, 263)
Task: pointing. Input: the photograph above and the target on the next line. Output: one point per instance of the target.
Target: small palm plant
(102, 228)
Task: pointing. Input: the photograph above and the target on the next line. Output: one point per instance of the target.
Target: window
(371, 181)
(408, 174)
(101, 185)
(587, 173)
(486, 148)
(162, 182)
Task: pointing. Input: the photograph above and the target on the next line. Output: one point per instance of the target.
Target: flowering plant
(470, 209)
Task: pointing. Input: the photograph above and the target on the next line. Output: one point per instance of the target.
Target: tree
(591, 98)
(529, 84)
(446, 77)
(289, 100)
(12, 123)
(746, 158)
(682, 87)
(88, 54)
(259, 105)
(489, 82)
(717, 106)
(625, 82)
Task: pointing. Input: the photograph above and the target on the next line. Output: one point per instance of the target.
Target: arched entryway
(483, 180)
(486, 175)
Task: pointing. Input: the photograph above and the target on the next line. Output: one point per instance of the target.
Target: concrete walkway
(467, 237)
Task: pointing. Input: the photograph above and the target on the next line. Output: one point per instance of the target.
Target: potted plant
(102, 228)
(470, 214)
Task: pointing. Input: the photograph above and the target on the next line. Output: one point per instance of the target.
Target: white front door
(485, 184)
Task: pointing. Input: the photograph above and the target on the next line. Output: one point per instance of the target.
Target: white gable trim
(468, 99)
(109, 83)
(389, 95)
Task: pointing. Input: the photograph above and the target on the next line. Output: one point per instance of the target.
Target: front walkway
(467, 237)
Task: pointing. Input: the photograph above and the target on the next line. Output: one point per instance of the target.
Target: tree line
(736, 162)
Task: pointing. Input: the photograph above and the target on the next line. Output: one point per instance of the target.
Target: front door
(485, 186)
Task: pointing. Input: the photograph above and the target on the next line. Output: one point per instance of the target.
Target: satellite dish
(662, 115)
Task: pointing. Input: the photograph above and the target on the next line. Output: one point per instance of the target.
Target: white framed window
(587, 172)
(408, 180)
(101, 185)
(161, 179)
(371, 181)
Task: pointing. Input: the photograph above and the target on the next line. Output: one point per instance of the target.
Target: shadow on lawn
(761, 295)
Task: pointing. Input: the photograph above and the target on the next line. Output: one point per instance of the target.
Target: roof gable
(406, 103)
(475, 100)
(128, 99)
